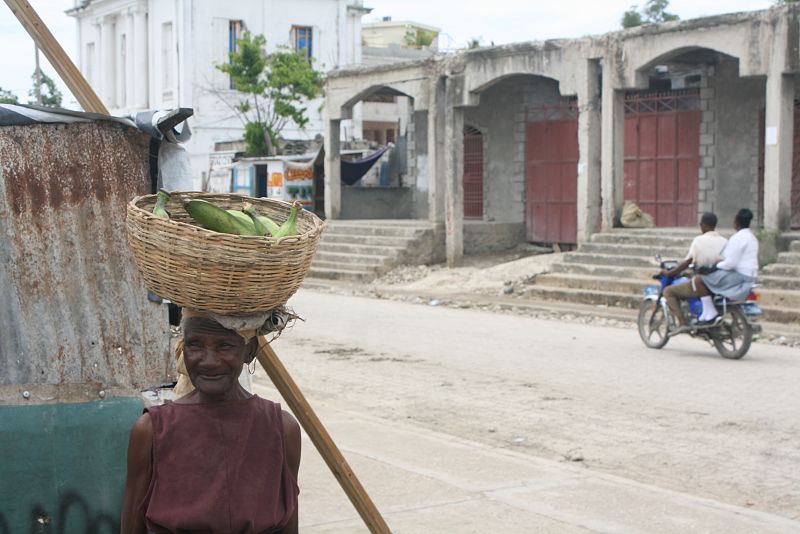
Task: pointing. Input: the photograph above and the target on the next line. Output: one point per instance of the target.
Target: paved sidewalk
(429, 482)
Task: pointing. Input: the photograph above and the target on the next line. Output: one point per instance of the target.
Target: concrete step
(769, 281)
(644, 240)
(341, 273)
(782, 269)
(361, 260)
(597, 298)
(373, 240)
(772, 313)
(675, 231)
(359, 249)
(794, 246)
(361, 228)
(611, 271)
(631, 249)
(593, 283)
(792, 258)
(609, 259)
(779, 298)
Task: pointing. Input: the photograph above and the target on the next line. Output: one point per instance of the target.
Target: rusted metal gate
(473, 173)
(662, 155)
(795, 193)
(551, 173)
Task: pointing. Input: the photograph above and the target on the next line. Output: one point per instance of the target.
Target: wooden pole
(64, 66)
(321, 439)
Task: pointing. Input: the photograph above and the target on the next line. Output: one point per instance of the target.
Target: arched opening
(380, 130)
(530, 156)
(691, 137)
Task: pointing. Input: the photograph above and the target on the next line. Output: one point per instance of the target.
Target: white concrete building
(150, 54)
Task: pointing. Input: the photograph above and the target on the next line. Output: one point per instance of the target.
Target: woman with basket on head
(218, 459)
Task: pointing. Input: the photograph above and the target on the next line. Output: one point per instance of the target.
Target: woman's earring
(251, 367)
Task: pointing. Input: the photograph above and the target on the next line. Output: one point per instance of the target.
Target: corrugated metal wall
(74, 317)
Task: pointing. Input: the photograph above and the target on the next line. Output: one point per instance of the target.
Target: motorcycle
(731, 336)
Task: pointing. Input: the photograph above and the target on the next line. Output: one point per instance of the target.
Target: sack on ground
(633, 216)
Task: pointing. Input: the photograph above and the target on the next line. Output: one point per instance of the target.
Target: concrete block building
(544, 141)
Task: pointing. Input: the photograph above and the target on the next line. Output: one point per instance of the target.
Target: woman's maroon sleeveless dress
(219, 468)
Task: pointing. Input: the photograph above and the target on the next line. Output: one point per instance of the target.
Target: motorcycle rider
(705, 250)
(735, 275)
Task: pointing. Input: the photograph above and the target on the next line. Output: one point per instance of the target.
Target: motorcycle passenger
(705, 250)
(735, 275)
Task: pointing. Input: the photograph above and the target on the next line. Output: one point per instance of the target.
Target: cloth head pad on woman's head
(247, 326)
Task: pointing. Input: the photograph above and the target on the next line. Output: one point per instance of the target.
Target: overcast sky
(498, 21)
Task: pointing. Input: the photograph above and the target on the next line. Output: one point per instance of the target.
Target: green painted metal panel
(62, 466)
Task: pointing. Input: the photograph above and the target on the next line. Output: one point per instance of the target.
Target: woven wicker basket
(226, 274)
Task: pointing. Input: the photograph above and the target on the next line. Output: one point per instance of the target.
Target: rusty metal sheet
(73, 311)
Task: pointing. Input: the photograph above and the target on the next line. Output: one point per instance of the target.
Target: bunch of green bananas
(241, 222)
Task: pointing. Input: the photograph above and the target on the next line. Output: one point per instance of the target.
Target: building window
(235, 31)
(303, 40)
(166, 60)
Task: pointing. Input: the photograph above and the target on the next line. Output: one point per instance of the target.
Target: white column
(454, 177)
(589, 147)
(779, 136)
(106, 67)
(130, 97)
(333, 171)
(613, 139)
(140, 63)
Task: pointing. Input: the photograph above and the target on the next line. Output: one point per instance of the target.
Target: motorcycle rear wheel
(732, 338)
(653, 324)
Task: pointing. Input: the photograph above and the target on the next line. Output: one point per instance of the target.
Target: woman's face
(214, 357)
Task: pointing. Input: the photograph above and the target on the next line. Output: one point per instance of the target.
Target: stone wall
(731, 140)
(482, 236)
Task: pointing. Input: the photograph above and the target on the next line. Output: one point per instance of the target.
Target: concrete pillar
(107, 64)
(139, 63)
(333, 170)
(778, 143)
(611, 153)
(589, 146)
(454, 178)
(436, 152)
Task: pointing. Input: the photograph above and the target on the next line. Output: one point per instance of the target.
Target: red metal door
(662, 155)
(551, 176)
(473, 173)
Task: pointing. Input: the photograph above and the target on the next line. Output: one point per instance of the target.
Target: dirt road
(681, 418)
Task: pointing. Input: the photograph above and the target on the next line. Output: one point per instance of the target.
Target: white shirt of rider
(741, 254)
(706, 249)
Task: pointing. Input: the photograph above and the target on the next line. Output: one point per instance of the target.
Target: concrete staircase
(360, 250)
(614, 266)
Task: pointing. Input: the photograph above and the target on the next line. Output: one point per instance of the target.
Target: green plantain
(159, 210)
(217, 219)
(289, 227)
(263, 224)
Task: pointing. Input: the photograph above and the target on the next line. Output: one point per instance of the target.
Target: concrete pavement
(429, 482)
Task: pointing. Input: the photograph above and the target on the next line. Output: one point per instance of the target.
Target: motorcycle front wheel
(653, 324)
(733, 336)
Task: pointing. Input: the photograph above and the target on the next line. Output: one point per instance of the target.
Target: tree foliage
(275, 89)
(419, 38)
(51, 96)
(653, 12)
(8, 97)
(474, 42)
